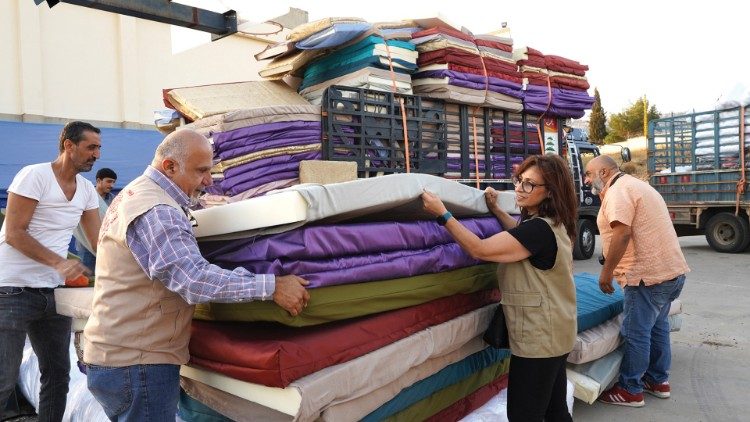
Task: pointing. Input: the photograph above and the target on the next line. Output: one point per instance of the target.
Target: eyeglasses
(526, 185)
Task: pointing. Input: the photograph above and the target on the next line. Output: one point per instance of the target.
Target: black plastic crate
(366, 126)
(503, 140)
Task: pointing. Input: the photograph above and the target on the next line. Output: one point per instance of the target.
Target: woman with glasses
(536, 281)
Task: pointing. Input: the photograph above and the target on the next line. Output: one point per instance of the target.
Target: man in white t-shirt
(45, 204)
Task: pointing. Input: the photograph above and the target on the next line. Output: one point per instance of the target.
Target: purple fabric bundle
(263, 138)
(352, 253)
(565, 102)
(473, 81)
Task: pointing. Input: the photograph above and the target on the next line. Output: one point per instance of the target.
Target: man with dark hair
(75, 132)
(105, 181)
(45, 203)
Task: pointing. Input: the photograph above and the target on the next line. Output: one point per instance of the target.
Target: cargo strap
(394, 88)
(741, 183)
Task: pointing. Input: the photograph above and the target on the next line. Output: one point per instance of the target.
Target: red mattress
(275, 355)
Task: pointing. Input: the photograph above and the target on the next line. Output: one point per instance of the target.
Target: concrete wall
(71, 62)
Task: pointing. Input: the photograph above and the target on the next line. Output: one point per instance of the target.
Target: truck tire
(585, 240)
(728, 233)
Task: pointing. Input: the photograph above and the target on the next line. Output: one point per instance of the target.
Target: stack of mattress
(594, 363)
(348, 52)
(308, 41)
(461, 68)
(393, 327)
(555, 86)
(257, 150)
(364, 64)
(726, 142)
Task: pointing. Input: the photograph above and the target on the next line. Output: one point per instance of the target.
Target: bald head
(185, 157)
(598, 172)
(603, 162)
(178, 146)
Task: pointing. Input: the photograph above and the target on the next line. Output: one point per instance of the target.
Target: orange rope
(741, 183)
(407, 155)
(477, 174)
(476, 148)
(541, 116)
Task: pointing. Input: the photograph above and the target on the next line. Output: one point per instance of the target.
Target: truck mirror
(625, 154)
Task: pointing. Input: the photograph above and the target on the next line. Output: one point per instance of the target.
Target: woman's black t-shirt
(537, 236)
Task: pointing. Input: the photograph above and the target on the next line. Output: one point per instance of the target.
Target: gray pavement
(710, 376)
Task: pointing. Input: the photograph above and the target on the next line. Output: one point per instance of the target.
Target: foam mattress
(305, 398)
(387, 198)
(595, 307)
(274, 355)
(335, 303)
(265, 211)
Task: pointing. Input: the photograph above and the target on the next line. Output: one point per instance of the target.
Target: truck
(698, 163)
(453, 141)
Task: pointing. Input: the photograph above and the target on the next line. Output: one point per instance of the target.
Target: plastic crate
(366, 126)
(699, 187)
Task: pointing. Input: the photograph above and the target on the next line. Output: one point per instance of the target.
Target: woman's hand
(490, 197)
(432, 203)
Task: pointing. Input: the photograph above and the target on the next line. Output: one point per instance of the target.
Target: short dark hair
(74, 132)
(103, 173)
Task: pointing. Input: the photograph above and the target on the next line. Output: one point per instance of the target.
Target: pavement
(710, 375)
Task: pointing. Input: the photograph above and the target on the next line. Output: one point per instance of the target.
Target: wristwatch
(443, 219)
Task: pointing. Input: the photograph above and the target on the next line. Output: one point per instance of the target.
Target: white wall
(71, 62)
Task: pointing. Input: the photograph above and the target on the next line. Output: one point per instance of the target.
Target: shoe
(661, 390)
(620, 396)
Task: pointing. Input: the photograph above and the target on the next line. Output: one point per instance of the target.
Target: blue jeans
(136, 393)
(645, 329)
(87, 258)
(31, 311)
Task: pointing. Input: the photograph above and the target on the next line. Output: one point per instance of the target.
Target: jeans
(537, 389)
(139, 393)
(645, 329)
(87, 258)
(31, 311)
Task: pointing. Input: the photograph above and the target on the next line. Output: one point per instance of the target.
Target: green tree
(597, 120)
(629, 123)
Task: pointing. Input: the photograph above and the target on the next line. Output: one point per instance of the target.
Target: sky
(683, 55)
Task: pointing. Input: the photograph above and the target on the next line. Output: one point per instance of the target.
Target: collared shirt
(653, 254)
(164, 246)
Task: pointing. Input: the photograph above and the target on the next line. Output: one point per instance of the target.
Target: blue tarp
(126, 151)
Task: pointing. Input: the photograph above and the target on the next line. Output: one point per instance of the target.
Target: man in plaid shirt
(150, 273)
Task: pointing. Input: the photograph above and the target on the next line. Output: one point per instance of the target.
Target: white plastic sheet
(81, 406)
(495, 410)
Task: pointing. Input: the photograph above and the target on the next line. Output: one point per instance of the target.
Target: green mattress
(335, 303)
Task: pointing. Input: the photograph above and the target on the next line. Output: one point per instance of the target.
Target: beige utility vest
(540, 305)
(134, 320)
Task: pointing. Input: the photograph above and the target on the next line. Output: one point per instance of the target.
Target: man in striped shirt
(150, 273)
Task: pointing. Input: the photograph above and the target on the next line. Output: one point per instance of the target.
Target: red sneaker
(620, 396)
(661, 390)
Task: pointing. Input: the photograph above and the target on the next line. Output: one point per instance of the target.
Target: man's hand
(291, 294)
(490, 197)
(605, 284)
(71, 269)
(432, 203)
